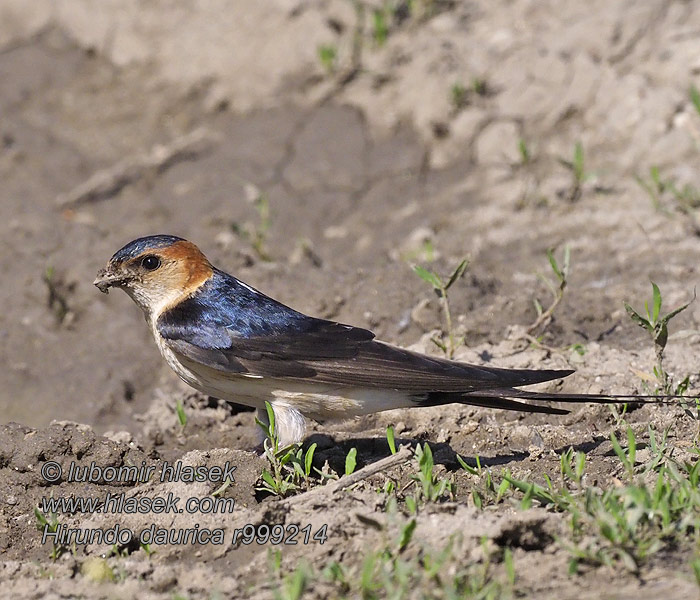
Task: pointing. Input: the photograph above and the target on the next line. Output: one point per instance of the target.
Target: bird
(230, 341)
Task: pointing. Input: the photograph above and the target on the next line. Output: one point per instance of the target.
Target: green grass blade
(428, 277)
(407, 533)
(657, 303)
(638, 319)
(673, 313)
(457, 273)
(309, 458)
(554, 264)
(390, 439)
(351, 461)
(695, 98)
(181, 415)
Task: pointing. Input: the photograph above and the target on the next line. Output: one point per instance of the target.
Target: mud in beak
(106, 279)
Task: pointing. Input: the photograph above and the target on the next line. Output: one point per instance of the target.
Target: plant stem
(448, 322)
(546, 317)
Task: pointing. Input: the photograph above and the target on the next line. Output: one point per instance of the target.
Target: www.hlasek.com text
(126, 503)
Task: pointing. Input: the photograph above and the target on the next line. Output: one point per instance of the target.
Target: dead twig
(403, 455)
(545, 318)
(108, 182)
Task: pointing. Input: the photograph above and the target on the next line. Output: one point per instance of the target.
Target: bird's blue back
(223, 307)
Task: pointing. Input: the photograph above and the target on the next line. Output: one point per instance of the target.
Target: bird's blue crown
(138, 246)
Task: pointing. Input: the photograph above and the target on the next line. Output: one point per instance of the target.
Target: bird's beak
(106, 279)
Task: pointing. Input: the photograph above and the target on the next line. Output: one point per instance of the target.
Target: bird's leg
(290, 424)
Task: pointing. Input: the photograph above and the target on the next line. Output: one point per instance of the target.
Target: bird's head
(156, 271)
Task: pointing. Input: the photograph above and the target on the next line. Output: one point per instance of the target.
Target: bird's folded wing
(329, 352)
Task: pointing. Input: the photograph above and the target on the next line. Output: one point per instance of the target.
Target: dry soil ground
(433, 131)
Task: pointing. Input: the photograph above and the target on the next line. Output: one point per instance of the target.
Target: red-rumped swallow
(230, 341)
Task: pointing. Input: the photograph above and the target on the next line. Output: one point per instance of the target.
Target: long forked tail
(506, 399)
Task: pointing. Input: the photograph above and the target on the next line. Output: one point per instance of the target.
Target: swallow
(228, 340)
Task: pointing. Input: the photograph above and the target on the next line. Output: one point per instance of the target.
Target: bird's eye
(150, 262)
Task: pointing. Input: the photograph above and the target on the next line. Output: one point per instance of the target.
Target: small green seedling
(458, 96)
(327, 55)
(695, 566)
(440, 288)
(626, 523)
(628, 457)
(524, 152)
(222, 488)
(277, 481)
(335, 573)
(390, 439)
(294, 584)
(290, 465)
(407, 534)
(561, 273)
(403, 565)
(461, 95)
(51, 525)
(577, 166)
(256, 233)
(572, 466)
(259, 234)
(484, 489)
(351, 461)
(657, 327)
(121, 552)
(308, 462)
(57, 300)
(685, 199)
(654, 187)
(431, 488)
(479, 86)
(695, 98)
(380, 27)
(302, 463)
(509, 565)
(691, 406)
(181, 415)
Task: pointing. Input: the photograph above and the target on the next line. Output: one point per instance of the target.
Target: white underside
(293, 400)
